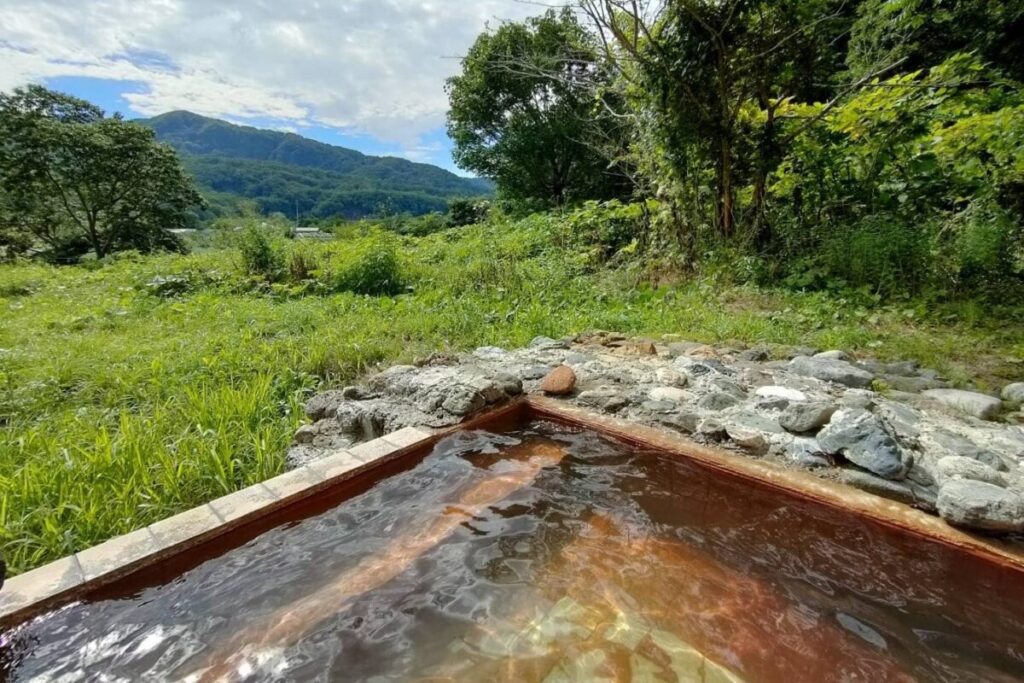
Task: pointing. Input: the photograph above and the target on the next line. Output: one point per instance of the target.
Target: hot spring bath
(545, 552)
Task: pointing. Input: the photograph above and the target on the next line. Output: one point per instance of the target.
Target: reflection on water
(548, 554)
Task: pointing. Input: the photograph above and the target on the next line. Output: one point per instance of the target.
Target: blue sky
(364, 74)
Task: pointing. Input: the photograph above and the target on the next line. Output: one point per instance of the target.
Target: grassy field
(121, 405)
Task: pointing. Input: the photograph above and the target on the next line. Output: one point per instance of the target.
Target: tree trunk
(725, 191)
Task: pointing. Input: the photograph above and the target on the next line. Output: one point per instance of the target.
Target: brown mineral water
(552, 554)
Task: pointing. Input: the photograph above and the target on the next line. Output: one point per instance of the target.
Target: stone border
(71, 577)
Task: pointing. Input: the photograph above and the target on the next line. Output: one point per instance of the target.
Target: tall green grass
(121, 405)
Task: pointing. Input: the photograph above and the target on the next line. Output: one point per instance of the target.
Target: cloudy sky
(367, 74)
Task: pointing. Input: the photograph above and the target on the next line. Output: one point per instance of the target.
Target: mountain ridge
(279, 170)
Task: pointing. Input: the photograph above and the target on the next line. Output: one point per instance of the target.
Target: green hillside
(284, 171)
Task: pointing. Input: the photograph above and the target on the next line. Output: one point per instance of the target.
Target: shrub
(259, 254)
(368, 266)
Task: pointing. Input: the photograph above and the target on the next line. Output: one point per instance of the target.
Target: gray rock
(831, 370)
(671, 377)
(978, 505)
(958, 445)
(603, 398)
(680, 348)
(903, 419)
(534, 372)
(860, 399)
(748, 439)
(694, 368)
(862, 439)
(806, 417)
(971, 403)
(959, 467)
(901, 491)
(728, 386)
(685, 422)
(797, 351)
(786, 393)
(806, 453)
(1014, 393)
(717, 400)
(835, 354)
(490, 353)
(323, 405)
(547, 343)
(911, 385)
(669, 394)
(658, 407)
(711, 428)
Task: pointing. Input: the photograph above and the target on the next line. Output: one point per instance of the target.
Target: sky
(364, 74)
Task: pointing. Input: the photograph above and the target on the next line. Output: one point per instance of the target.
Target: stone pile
(892, 429)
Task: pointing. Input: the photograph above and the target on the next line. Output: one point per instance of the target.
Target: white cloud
(367, 66)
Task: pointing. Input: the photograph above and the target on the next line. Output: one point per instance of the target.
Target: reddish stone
(559, 382)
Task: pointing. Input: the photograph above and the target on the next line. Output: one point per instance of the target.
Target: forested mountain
(283, 171)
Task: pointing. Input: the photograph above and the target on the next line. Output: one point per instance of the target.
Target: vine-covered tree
(524, 113)
(76, 180)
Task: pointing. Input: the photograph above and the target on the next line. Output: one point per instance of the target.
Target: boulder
(831, 370)
(959, 467)
(559, 382)
(1014, 393)
(979, 505)
(671, 377)
(862, 439)
(971, 403)
(806, 417)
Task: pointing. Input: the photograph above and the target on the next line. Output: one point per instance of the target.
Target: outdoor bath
(537, 545)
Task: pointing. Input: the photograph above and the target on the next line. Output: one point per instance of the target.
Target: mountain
(284, 172)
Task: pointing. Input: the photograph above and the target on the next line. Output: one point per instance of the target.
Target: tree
(523, 112)
(714, 74)
(78, 181)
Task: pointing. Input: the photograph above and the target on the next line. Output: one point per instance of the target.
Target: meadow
(139, 386)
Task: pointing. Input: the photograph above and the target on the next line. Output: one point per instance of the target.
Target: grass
(119, 407)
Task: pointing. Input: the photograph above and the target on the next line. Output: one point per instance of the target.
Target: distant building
(311, 234)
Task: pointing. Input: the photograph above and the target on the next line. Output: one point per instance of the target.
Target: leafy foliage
(523, 113)
(76, 181)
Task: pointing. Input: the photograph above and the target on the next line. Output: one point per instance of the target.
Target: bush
(368, 266)
(260, 256)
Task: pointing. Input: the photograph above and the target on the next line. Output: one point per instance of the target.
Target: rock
(902, 492)
(463, 400)
(958, 467)
(547, 343)
(717, 400)
(806, 453)
(958, 445)
(670, 377)
(781, 392)
(728, 386)
(860, 399)
(972, 403)
(704, 351)
(490, 353)
(357, 393)
(831, 370)
(604, 398)
(697, 368)
(559, 382)
(676, 349)
(862, 439)
(757, 354)
(668, 394)
(659, 407)
(323, 405)
(979, 505)
(534, 372)
(835, 354)
(806, 417)
(911, 385)
(1014, 393)
(792, 352)
(685, 422)
(748, 439)
(305, 434)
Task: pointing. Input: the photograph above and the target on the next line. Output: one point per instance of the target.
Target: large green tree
(524, 112)
(76, 180)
